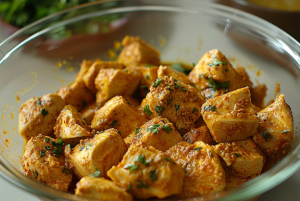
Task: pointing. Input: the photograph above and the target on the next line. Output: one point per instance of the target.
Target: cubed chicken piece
(112, 82)
(214, 75)
(90, 76)
(168, 71)
(241, 158)
(99, 153)
(84, 67)
(89, 112)
(149, 75)
(178, 102)
(147, 172)
(70, 126)
(199, 134)
(38, 115)
(158, 132)
(44, 161)
(204, 172)
(137, 51)
(245, 77)
(276, 130)
(102, 189)
(234, 182)
(76, 95)
(230, 117)
(258, 95)
(118, 114)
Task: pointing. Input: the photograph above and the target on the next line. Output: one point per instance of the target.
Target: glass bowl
(44, 56)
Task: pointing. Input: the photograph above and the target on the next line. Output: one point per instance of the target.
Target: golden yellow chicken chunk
(214, 75)
(70, 126)
(199, 134)
(76, 95)
(147, 172)
(137, 51)
(149, 75)
(204, 172)
(276, 129)
(91, 74)
(44, 161)
(230, 117)
(178, 102)
(158, 132)
(168, 71)
(89, 112)
(100, 188)
(84, 67)
(38, 115)
(98, 153)
(241, 158)
(118, 114)
(234, 182)
(112, 82)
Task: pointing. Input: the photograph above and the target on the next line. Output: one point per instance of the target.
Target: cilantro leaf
(114, 123)
(285, 131)
(159, 109)
(140, 184)
(198, 148)
(153, 175)
(147, 110)
(131, 167)
(153, 128)
(216, 62)
(237, 155)
(266, 135)
(44, 112)
(140, 159)
(167, 128)
(157, 82)
(137, 130)
(96, 174)
(195, 110)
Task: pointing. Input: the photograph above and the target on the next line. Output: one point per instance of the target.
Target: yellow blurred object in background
(284, 5)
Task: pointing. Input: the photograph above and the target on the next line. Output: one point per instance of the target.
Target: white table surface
(287, 191)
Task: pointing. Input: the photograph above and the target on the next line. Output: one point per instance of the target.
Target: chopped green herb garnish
(212, 83)
(169, 159)
(266, 135)
(131, 167)
(195, 110)
(47, 139)
(213, 108)
(47, 147)
(60, 142)
(57, 151)
(217, 62)
(157, 82)
(194, 64)
(66, 171)
(147, 162)
(140, 184)
(147, 77)
(53, 143)
(177, 85)
(42, 153)
(226, 70)
(198, 148)
(177, 108)
(178, 67)
(183, 89)
(88, 146)
(147, 110)
(140, 159)
(114, 123)
(201, 75)
(126, 70)
(153, 128)
(84, 104)
(44, 112)
(167, 128)
(81, 148)
(129, 188)
(169, 88)
(285, 131)
(143, 86)
(153, 175)
(218, 85)
(96, 174)
(237, 155)
(137, 130)
(38, 102)
(159, 109)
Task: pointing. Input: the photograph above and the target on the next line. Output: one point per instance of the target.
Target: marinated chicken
(102, 189)
(98, 153)
(153, 131)
(44, 161)
(38, 115)
(147, 172)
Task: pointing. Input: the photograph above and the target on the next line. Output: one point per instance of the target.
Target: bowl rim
(275, 175)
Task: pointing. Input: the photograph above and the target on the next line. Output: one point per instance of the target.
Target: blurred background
(15, 14)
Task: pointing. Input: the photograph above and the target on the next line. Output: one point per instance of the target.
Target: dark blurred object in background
(283, 13)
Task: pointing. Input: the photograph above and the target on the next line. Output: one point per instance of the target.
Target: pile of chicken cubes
(135, 128)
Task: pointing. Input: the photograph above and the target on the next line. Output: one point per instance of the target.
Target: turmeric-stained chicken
(137, 128)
